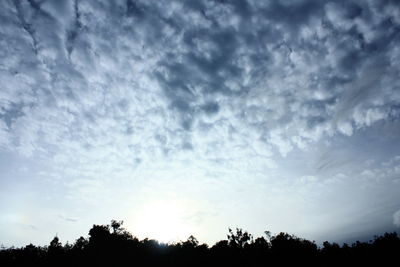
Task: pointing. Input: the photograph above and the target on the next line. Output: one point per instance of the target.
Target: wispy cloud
(66, 218)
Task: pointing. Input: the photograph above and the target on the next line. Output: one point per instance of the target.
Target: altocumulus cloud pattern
(113, 88)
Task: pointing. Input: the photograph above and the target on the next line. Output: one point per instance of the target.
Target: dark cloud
(210, 108)
(11, 113)
(323, 62)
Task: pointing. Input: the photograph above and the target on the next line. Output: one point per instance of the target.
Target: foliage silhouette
(112, 245)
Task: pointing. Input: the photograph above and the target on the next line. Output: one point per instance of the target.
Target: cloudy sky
(189, 117)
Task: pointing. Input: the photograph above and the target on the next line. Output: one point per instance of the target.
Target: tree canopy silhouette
(112, 245)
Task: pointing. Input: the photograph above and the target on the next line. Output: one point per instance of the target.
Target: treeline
(111, 245)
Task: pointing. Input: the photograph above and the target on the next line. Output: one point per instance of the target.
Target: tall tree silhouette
(112, 245)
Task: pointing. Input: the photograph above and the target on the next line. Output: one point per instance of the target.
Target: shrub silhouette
(112, 245)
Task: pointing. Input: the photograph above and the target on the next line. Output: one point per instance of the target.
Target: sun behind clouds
(161, 220)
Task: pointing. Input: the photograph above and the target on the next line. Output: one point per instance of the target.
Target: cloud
(108, 87)
(396, 218)
(68, 219)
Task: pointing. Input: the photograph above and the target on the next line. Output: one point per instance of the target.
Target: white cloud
(86, 68)
(122, 83)
(308, 179)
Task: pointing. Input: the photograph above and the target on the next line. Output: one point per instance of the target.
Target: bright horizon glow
(162, 221)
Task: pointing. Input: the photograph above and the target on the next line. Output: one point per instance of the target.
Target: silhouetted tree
(191, 242)
(112, 245)
(239, 239)
(80, 244)
(117, 226)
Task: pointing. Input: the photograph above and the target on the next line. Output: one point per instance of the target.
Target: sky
(189, 117)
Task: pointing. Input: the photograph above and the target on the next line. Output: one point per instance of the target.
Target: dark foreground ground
(111, 245)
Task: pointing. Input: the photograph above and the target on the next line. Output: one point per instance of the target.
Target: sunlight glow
(161, 220)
